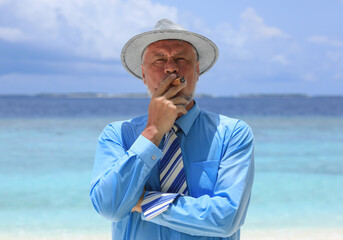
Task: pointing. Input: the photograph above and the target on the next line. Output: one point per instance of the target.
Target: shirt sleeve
(119, 175)
(223, 213)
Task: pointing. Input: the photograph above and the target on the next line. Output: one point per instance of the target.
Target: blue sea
(47, 146)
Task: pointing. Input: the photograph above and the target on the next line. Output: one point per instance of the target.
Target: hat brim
(131, 53)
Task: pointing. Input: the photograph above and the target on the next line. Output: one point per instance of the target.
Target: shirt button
(153, 157)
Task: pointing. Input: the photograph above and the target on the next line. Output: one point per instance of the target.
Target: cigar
(178, 81)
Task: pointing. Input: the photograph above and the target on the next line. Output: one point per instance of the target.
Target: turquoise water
(46, 163)
(299, 173)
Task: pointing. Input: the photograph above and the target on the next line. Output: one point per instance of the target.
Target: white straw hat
(131, 55)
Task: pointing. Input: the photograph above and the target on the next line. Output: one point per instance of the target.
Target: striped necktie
(172, 173)
(172, 178)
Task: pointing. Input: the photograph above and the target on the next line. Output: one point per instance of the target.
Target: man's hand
(164, 108)
(138, 207)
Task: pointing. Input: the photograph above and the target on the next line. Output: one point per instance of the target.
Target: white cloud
(252, 38)
(254, 27)
(93, 28)
(11, 34)
(325, 40)
(251, 28)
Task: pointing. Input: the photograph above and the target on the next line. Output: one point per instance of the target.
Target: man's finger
(171, 92)
(163, 87)
(181, 109)
(179, 101)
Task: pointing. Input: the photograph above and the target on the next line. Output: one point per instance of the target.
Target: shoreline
(246, 234)
(315, 233)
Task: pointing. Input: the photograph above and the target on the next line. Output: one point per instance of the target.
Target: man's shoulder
(133, 125)
(134, 122)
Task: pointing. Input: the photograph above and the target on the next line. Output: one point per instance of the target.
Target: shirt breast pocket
(203, 177)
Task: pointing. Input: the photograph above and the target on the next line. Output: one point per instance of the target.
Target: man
(178, 172)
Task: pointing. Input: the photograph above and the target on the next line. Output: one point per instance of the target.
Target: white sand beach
(293, 234)
(264, 234)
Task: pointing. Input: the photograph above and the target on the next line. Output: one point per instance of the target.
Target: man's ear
(143, 74)
(198, 71)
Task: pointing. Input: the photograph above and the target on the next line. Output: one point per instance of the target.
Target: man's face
(162, 58)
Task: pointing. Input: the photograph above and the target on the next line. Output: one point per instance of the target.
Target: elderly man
(177, 172)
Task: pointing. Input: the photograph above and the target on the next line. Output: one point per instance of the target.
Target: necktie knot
(175, 128)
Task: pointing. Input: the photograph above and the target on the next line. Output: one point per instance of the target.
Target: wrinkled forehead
(178, 46)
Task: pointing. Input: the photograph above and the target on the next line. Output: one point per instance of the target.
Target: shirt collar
(186, 121)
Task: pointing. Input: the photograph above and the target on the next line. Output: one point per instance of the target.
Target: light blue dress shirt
(218, 159)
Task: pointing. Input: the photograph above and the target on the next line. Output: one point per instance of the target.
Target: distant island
(274, 95)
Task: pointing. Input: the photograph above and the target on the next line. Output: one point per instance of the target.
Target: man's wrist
(137, 207)
(152, 134)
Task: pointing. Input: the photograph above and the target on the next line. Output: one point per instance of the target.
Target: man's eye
(180, 59)
(159, 60)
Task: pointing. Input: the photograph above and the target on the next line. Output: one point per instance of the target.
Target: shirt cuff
(154, 203)
(146, 150)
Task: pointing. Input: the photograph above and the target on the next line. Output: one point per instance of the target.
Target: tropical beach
(279, 68)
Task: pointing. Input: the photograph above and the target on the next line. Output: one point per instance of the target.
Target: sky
(265, 46)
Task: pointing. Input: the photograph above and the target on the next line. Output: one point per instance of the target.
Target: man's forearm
(121, 176)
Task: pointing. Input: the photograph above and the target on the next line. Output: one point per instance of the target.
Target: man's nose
(171, 66)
